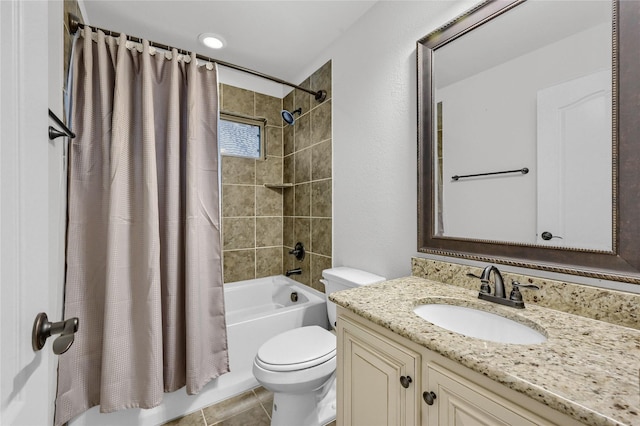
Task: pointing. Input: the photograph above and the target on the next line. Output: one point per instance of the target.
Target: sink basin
(479, 324)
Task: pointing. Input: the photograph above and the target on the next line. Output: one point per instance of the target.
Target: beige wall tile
(318, 264)
(302, 160)
(321, 198)
(321, 122)
(321, 160)
(321, 80)
(238, 233)
(302, 202)
(268, 201)
(268, 261)
(269, 107)
(288, 169)
(238, 170)
(302, 131)
(269, 170)
(239, 265)
(274, 141)
(321, 236)
(238, 200)
(288, 139)
(288, 203)
(288, 236)
(299, 154)
(302, 231)
(235, 99)
(268, 231)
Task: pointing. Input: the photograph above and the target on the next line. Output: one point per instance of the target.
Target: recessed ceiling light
(213, 41)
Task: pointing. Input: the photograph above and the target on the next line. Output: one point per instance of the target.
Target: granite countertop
(587, 369)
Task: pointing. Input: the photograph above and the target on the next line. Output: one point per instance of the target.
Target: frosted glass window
(241, 136)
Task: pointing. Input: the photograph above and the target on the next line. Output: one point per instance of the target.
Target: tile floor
(252, 408)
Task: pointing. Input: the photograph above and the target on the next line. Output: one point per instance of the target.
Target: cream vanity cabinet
(385, 379)
(376, 378)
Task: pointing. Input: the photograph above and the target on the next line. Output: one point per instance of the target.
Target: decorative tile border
(615, 307)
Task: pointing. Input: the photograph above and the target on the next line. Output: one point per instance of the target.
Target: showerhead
(288, 116)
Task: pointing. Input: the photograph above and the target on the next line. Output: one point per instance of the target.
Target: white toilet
(299, 365)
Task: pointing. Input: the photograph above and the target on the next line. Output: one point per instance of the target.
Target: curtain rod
(75, 24)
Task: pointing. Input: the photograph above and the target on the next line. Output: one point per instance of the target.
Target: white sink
(479, 324)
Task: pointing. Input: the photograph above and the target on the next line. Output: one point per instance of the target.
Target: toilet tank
(343, 278)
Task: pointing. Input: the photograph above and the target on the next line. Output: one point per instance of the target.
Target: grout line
(261, 404)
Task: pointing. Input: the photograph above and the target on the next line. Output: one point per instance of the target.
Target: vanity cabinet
(372, 362)
(461, 402)
(378, 379)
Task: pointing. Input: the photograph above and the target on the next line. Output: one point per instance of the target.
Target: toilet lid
(297, 349)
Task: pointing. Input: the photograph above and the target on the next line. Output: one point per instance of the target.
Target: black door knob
(405, 381)
(429, 397)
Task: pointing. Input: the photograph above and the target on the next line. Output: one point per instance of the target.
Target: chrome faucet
(499, 295)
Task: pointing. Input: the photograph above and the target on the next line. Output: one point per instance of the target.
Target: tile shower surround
(260, 225)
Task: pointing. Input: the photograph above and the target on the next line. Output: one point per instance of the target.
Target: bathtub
(256, 310)
(259, 309)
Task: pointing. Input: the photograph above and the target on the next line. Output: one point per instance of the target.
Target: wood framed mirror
(608, 249)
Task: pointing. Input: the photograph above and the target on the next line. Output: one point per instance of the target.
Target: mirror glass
(523, 128)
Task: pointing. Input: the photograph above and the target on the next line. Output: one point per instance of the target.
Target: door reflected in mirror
(531, 89)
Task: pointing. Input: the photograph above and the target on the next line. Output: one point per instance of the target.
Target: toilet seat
(297, 349)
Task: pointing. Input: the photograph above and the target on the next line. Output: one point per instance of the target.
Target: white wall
(375, 133)
(375, 138)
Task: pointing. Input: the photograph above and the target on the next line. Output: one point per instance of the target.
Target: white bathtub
(259, 309)
(256, 310)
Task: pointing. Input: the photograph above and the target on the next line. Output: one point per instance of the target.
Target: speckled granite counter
(587, 369)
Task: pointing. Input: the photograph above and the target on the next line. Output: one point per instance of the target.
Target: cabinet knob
(405, 381)
(428, 397)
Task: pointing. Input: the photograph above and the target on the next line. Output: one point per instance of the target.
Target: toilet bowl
(299, 365)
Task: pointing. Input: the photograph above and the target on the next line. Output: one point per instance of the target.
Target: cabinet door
(372, 374)
(462, 403)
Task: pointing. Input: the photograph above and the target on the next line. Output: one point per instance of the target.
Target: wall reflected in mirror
(531, 90)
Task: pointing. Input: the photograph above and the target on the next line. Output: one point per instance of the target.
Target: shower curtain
(144, 272)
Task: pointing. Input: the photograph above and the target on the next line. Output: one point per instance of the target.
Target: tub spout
(297, 271)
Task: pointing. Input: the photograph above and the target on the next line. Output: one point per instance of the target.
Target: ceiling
(522, 30)
(278, 38)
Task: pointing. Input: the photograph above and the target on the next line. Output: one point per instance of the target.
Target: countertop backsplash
(615, 307)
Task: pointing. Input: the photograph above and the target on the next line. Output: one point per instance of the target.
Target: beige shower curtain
(144, 272)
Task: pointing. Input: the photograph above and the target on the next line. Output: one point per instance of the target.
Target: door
(574, 163)
(458, 402)
(377, 379)
(29, 167)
